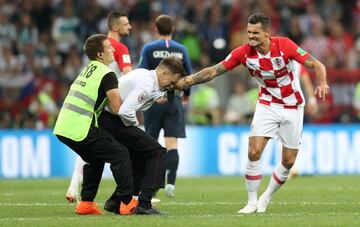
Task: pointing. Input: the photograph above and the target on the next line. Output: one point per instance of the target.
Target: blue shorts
(168, 116)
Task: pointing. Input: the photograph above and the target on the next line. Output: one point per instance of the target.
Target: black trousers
(147, 155)
(98, 148)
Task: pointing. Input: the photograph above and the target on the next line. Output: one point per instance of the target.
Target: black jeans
(147, 155)
(98, 148)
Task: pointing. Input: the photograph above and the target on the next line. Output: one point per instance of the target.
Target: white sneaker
(262, 204)
(169, 190)
(248, 209)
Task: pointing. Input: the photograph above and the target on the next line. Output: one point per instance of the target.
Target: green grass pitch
(205, 201)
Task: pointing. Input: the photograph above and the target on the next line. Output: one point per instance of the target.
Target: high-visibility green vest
(78, 109)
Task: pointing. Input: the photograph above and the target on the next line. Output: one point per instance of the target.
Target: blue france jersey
(153, 52)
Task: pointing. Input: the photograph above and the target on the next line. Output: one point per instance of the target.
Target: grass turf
(205, 201)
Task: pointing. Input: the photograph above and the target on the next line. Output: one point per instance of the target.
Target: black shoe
(112, 206)
(148, 211)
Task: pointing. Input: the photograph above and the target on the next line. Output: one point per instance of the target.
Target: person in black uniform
(168, 116)
(77, 127)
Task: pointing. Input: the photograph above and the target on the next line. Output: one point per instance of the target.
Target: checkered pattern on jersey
(273, 72)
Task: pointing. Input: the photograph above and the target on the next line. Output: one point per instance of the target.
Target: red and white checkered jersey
(121, 57)
(273, 71)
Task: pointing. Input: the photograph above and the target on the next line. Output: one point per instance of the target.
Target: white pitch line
(274, 214)
(46, 218)
(239, 203)
(190, 203)
(24, 219)
(34, 204)
(233, 215)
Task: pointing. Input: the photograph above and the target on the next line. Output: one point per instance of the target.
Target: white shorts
(285, 124)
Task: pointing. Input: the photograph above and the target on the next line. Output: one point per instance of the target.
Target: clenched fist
(184, 83)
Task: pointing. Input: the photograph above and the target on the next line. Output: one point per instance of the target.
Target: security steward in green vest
(77, 127)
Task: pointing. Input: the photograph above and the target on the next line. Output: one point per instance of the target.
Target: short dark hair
(174, 65)
(260, 18)
(93, 45)
(113, 16)
(164, 24)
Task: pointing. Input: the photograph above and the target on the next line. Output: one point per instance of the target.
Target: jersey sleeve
(293, 51)
(144, 62)
(108, 82)
(122, 56)
(235, 58)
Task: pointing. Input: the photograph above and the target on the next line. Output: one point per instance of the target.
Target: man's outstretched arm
(202, 76)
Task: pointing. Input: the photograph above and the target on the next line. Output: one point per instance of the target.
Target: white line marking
(269, 214)
(48, 218)
(35, 204)
(275, 214)
(191, 203)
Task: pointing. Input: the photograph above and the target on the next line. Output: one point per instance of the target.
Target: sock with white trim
(278, 178)
(253, 179)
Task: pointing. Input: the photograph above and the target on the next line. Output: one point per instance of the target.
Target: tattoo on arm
(209, 73)
(309, 62)
(319, 68)
(220, 69)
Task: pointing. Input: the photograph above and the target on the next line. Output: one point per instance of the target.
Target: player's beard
(254, 43)
(121, 34)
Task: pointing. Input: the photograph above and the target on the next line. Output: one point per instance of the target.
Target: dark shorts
(169, 117)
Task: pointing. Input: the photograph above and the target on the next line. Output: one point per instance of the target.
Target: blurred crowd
(41, 51)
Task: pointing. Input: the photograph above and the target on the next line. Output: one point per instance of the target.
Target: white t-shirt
(138, 90)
